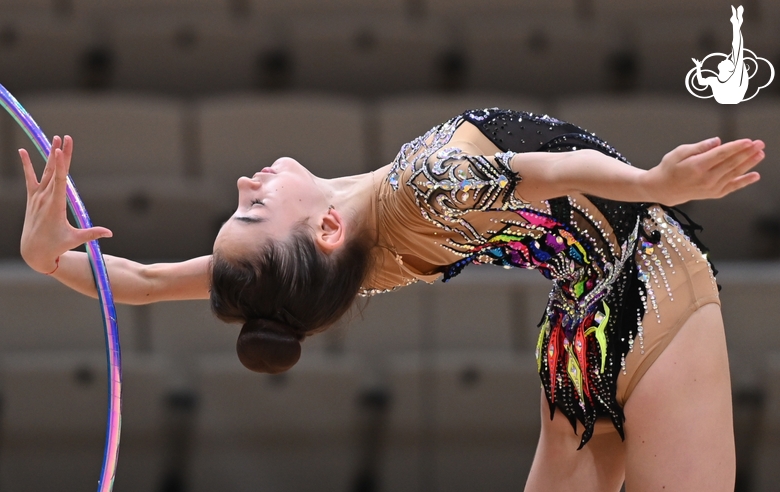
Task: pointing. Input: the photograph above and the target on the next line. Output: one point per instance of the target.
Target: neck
(353, 195)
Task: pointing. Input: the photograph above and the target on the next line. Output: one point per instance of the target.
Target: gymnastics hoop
(105, 296)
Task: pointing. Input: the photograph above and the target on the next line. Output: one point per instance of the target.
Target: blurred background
(432, 388)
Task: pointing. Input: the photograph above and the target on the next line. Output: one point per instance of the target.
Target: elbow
(143, 290)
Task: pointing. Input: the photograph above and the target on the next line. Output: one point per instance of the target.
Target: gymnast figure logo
(730, 84)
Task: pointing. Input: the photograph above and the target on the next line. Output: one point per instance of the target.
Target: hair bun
(267, 346)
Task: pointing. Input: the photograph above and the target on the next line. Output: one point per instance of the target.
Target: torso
(451, 199)
(417, 248)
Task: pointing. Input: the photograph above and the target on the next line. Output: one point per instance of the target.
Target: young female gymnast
(631, 351)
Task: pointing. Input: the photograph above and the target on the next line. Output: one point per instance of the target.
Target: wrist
(56, 267)
(651, 187)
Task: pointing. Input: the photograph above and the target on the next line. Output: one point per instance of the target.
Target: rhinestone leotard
(606, 259)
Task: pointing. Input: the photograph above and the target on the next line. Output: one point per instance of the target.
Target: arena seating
(130, 167)
(643, 127)
(767, 452)
(109, 129)
(759, 121)
(117, 8)
(170, 101)
(401, 119)
(753, 211)
(760, 203)
(185, 331)
(193, 54)
(26, 44)
(326, 134)
(40, 6)
(368, 48)
(657, 41)
(54, 417)
(366, 55)
(744, 297)
(12, 207)
(312, 8)
(460, 326)
(381, 329)
(461, 418)
(514, 56)
(664, 8)
(464, 9)
(258, 431)
(39, 314)
(419, 448)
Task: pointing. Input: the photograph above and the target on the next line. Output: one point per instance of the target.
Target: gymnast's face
(270, 204)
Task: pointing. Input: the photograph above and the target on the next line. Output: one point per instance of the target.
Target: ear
(331, 232)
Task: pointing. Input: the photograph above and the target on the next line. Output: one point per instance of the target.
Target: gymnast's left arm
(704, 170)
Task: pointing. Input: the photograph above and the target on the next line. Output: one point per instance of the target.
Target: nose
(248, 183)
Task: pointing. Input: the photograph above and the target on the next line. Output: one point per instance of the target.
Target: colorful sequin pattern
(599, 295)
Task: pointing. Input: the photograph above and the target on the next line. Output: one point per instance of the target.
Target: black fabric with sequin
(597, 298)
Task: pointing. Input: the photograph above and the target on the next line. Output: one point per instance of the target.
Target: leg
(558, 466)
(679, 425)
(736, 36)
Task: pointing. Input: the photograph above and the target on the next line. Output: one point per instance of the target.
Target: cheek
(299, 193)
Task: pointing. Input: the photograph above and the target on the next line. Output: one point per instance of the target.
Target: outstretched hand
(705, 170)
(47, 233)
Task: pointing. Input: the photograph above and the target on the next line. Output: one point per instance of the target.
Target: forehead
(237, 237)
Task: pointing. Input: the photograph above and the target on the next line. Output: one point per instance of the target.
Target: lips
(265, 170)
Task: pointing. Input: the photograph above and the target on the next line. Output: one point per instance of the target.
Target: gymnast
(631, 350)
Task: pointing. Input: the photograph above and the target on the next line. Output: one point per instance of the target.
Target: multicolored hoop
(106, 298)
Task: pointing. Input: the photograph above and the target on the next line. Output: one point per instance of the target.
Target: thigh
(679, 425)
(559, 466)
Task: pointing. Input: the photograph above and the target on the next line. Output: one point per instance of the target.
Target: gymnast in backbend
(631, 351)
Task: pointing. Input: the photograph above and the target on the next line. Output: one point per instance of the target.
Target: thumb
(93, 233)
(708, 144)
(685, 151)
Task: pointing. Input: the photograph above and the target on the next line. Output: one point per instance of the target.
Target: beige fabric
(692, 286)
(412, 249)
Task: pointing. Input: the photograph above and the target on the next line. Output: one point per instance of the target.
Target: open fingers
(30, 179)
(60, 177)
(48, 171)
(62, 166)
(67, 150)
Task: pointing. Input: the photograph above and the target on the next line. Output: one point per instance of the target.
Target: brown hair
(288, 290)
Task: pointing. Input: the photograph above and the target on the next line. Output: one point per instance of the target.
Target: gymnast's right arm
(48, 238)
(136, 283)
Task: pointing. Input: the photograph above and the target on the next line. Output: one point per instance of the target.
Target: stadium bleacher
(171, 101)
